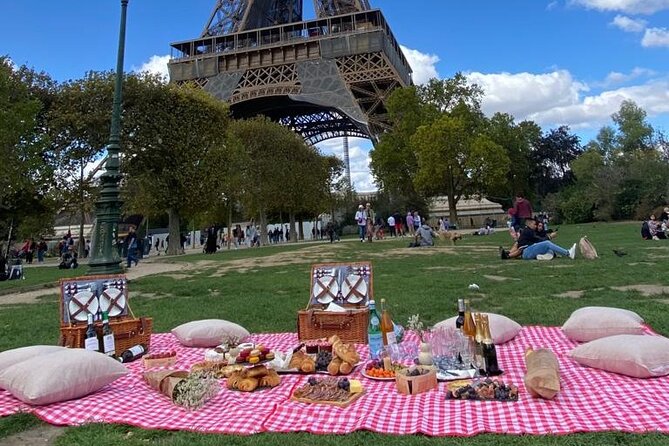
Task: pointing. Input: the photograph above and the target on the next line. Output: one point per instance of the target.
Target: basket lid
(348, 285)
(81, 296)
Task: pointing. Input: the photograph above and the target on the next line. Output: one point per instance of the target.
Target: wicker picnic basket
(128, 330)
(342, 280)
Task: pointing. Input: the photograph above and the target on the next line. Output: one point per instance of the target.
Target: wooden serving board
(354, 397)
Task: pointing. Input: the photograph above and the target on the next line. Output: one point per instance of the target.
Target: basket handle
(331, 325)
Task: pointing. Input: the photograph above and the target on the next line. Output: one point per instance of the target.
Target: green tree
(79, 128)
(634, 133)
(551, 160)
(394, 160)
(456, 159)
(26, 170)
(173, 136)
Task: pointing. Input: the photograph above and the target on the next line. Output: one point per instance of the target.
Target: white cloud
(359, 148)
(655, 37)
(592, 111)
(522, 94)
(551, 6)
(615, 77)
(628, 24)
(626, 6)
(556, 98)
(156, 65)
(422, 64)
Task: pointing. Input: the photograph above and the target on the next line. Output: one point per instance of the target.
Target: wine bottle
(91, 342)
(387, 327)
(108, 345)
(489, 350)
(460, 321)
(133, 353)
(479, 358)
(468, 327)
(374, 334)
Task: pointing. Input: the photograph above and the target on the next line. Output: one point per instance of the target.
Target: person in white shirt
(391, 226)
(361, 220)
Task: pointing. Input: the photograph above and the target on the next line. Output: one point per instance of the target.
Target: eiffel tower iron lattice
(324, 78)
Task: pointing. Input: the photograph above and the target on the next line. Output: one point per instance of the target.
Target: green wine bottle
(91, 342)
(108, 345)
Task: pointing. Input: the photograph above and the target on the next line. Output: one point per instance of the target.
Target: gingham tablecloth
(590, 401)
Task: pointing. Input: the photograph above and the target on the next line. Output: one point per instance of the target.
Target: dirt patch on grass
(499, 278)
(178, 276)
(41, 435)
(645, 290)
(144, 269)
(574, 294)
(307, 255)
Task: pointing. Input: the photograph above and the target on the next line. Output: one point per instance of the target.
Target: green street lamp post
(105, 257)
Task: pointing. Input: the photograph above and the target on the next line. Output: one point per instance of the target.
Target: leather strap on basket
(345, 323)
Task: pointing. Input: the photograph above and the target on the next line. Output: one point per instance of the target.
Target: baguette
(345, 368)
(333, 367)
(346, 352)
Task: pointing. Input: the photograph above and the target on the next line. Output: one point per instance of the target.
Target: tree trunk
(263, 228)
(300, 227)
(293, 229)
(452, 203)
(174, 244)
(82, 209)
(229, 224)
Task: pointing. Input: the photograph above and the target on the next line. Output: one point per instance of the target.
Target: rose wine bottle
(468, 327)
(387, 327)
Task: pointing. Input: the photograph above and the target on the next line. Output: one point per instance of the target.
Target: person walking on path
(131, 245)
(522, 210)
(371, 220)
(361, 220)
(409, 223)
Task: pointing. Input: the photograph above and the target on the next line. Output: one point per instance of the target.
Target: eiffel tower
(324, 78)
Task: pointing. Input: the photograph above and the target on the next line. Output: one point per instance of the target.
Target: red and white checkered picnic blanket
(590, 401)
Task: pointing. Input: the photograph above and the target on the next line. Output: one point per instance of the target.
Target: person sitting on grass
(424, 236)
(655, 228)
(531, 246)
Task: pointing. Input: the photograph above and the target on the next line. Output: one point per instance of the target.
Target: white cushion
(502, 328)
(11, 357)
(60, 376)
(208, 332)
(590, 323)
(632, 355)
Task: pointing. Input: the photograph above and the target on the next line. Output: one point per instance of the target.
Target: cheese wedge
(356, 386)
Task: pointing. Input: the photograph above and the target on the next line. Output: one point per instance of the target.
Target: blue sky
(556, 62)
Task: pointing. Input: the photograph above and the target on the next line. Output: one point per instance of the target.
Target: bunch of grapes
(323, 360)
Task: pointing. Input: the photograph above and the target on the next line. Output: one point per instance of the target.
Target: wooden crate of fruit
(416, 380)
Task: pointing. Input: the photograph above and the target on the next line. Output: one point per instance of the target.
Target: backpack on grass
(588, 251)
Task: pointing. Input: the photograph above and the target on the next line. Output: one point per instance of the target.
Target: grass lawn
(262, 289)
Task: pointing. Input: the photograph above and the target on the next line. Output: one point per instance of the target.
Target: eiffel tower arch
(324, 78)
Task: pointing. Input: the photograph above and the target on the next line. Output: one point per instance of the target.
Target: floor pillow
(14, 356)
(590, 323)
(208, 332)
(637, 356)
(60, 376)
